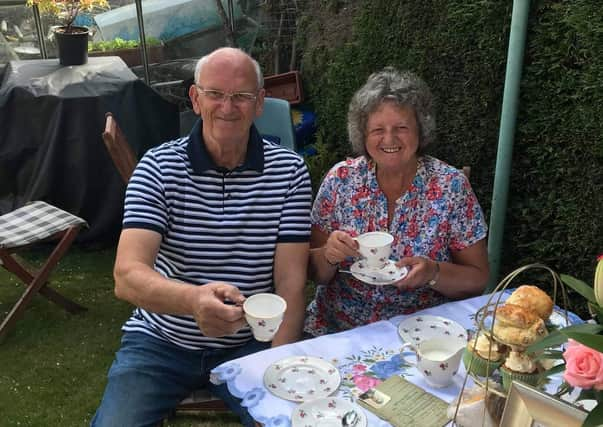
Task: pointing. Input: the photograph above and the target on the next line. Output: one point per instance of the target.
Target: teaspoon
(350, 419)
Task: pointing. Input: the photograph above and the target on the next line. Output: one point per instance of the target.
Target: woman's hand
(327, 251)
(421, 271)
(464, 275)
(339, 246)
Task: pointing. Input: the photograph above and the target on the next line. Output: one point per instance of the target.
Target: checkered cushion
(33, 222)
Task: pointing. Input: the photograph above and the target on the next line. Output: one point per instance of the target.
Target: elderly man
(209, 220)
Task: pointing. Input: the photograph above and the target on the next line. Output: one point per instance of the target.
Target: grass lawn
(53, 364)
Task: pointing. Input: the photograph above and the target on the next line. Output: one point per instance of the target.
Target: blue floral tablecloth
(365, 356)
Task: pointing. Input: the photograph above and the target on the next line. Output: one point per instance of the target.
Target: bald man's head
(229, 55)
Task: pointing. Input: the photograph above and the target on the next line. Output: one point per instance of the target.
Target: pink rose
(583, 366)
(364, 383)
(358, 369)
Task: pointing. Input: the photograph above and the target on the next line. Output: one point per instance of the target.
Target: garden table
(51, 121)
(372, 348)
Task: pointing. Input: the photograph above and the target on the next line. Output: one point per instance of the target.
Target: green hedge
(459, 47)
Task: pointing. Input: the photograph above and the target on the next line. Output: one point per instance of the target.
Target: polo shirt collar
(202, 161)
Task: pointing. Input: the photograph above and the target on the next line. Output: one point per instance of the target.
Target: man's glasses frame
(238, 98)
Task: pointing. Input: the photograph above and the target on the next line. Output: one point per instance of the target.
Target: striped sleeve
(145, 205)
(295, 217)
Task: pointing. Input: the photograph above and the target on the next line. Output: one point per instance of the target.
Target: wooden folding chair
(120, 151)
(23, 227)
(125, 161)
(466, 171)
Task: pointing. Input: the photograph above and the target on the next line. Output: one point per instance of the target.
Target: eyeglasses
(219, 96)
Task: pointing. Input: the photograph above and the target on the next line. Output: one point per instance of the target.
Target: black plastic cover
(51, 148)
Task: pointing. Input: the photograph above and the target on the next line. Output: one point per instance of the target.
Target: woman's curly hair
(402, 88)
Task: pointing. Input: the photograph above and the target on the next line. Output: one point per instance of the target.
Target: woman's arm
(467, 274)
(327, 251)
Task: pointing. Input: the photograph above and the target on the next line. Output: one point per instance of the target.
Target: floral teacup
(375, 247)
(264, 313)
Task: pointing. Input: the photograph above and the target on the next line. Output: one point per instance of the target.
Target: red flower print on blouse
(342, 173)
(434, 192)
(470, 206)
(326, 207)
(407, 251)
(383, 224)
(412, 230)
(362, 193)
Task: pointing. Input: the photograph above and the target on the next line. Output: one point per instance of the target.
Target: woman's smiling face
(392, 136)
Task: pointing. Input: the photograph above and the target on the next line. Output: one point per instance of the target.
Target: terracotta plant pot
(286, 86)
(72, 44)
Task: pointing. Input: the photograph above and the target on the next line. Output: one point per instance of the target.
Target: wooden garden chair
(24, 227)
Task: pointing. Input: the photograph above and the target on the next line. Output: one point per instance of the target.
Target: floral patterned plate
(378, 276)
(301, 378)
(325, 412)
(419, 328)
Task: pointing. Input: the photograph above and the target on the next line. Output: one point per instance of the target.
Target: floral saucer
(419, 328)
(378, 276)
(302, 378)
(325, 412)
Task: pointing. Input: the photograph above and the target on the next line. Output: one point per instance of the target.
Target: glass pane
(178, 33)
(18, 36)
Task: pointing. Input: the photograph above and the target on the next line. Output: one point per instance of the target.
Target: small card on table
(403, 404)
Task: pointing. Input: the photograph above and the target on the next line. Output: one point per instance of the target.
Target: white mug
(264, 313)
(438, 359)
(375, 248)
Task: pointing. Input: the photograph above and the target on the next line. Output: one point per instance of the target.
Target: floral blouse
(439, 213)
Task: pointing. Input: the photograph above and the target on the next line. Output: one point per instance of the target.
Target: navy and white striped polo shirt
(217, 224)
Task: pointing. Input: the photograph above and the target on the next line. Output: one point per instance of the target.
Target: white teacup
(264, 313)
(438, 359)
(375, 247)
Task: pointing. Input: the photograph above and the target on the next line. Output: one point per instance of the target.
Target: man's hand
(219, 310)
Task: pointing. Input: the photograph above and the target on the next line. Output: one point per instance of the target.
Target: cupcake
(520, 366)
(486, 353)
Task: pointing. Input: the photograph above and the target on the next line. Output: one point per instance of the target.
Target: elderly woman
(428, 206)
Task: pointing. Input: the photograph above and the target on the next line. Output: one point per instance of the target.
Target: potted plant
(72, 40)
(128, 50)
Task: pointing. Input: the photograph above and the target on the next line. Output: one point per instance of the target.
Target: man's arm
(290, 266)
(137, 282)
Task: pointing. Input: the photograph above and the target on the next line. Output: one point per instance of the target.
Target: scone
(486, 353)
(518, 327)
(521, 367)
(533, 299)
